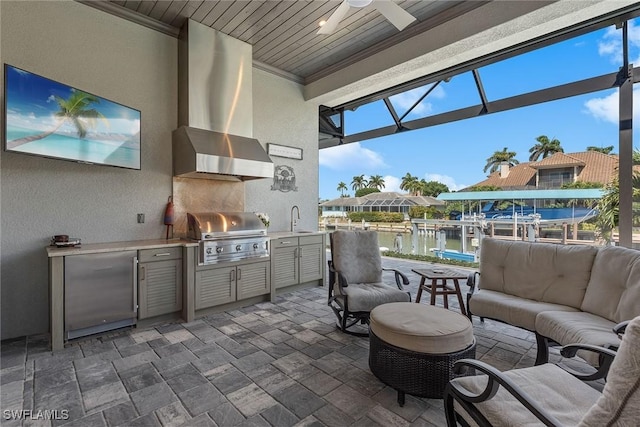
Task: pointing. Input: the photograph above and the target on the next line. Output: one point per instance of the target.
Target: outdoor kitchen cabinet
(297, 260)
(159, 281)
(159, 290)
(225, 283)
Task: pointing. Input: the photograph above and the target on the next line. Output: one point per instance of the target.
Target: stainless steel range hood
(199, 153)
(215, 109)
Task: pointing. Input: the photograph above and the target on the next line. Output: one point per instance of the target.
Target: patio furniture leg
(420, 290)
(434, 289)
(459, 295)
(542, 356)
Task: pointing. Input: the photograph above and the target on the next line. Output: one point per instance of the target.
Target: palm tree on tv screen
(75, 109)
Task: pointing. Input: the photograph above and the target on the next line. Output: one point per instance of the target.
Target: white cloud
(51, 98)
(404, 101)
(345, 157)
(611, 43)
(606, 108)
(446, 180)
(438, 92)
(392, 183)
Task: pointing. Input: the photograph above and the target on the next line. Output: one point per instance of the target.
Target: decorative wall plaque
(284, 151)
(284, 179)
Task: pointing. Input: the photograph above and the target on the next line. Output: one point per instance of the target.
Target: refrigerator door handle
(135, 284)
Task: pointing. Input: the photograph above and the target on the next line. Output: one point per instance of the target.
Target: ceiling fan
(394, 14)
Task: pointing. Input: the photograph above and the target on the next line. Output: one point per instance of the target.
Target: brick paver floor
(280, 363)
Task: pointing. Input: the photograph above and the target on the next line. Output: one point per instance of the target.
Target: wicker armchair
(550, 395)
(355, 279)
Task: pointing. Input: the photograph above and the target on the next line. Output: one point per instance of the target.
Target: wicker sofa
(565, 294)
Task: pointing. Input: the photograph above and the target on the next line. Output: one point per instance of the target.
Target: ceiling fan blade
(394, 13)
(333, 21)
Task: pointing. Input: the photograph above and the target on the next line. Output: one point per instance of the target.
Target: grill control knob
(238, 248)
(219, 249)
(255, 246)
(209, 250)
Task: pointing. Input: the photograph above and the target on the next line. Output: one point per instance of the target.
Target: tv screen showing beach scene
(47, 118)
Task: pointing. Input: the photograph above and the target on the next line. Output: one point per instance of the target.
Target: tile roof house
(555, 171)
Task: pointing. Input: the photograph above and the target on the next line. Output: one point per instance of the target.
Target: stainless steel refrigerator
(100, 292)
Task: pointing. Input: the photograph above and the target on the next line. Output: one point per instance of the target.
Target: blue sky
(455, 153)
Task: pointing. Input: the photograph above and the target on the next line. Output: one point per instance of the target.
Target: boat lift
(478, 224)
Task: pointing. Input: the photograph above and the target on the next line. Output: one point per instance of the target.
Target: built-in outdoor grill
(228, 236)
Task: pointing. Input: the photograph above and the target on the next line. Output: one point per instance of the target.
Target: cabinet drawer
(159, 254)
(309, 240)
(284, 242)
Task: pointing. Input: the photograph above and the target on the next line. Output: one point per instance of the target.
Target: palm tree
(544, 148)
(376, 181)
(498, 157)
(415, 187)
(408, 182)
(358, 182)
(342, 187)
(609, 205)
(74, 109)
(603, 150)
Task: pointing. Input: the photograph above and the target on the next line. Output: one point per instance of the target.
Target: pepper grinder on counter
(169, 218)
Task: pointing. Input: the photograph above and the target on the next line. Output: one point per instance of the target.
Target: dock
(551, 231)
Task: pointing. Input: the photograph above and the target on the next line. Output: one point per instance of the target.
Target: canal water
(425, 242)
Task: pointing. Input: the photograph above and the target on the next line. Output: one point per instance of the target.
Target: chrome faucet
(293, 220)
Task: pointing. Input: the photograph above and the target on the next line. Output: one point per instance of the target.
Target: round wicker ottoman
(412, 347)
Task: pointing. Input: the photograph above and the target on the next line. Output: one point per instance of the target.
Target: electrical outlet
(140, 218)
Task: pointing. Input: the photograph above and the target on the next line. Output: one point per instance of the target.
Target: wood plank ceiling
(283, 32)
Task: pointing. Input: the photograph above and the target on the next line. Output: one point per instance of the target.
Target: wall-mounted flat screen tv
(47, 118)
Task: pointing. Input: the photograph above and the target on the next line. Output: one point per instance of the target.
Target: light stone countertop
(93, 248)
(285, 234)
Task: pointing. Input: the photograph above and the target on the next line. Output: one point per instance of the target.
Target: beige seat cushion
(614, 287)
(619, 404)
(558, 392)
(510, 309)
(577, 328)
(367, 296)
(543, 272)
(421, 328)
(356, 255)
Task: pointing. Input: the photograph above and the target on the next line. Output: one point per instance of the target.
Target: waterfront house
(384, 201)
(555, 171)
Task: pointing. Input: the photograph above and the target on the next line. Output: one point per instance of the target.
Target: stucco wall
(281, 116)
(110, 57)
